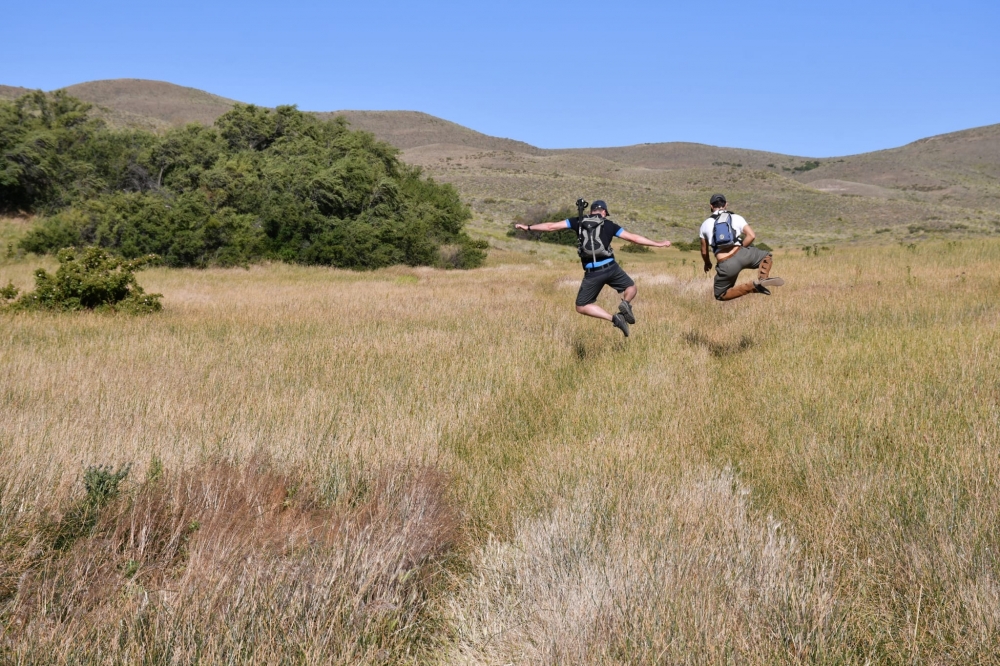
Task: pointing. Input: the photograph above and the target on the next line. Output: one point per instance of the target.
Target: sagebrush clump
(91, 279)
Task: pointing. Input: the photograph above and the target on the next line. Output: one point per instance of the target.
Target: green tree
(261, 184)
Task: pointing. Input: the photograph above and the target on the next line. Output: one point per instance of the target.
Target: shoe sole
(626, 311)
(771, 282)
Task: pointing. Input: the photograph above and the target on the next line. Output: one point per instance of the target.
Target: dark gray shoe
(618, 321)
(762, 285)
(626, 309)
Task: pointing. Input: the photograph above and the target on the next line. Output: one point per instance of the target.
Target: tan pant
(728, 271)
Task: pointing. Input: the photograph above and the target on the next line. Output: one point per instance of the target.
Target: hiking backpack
(723, 234)
(589, 244)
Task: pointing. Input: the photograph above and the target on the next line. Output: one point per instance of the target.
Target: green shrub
(688, 247)
(101, 484)
(91, 279)
(632, 248)
(469, 254)
(9, 292)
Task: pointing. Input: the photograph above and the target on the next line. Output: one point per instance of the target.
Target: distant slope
(963, 167)
(921, 165)
(12, 92)
(678, 155)
(413, 129)
(165, 102)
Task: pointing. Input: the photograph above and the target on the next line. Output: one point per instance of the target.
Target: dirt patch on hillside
(834, 186)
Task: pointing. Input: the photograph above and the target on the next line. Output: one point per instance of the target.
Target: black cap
(717, 199)
(599, 205)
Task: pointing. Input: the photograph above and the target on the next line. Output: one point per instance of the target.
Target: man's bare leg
(594, 310)
(629, 293)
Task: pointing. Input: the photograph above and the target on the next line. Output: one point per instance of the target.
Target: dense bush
(261, 184)
(88, 280)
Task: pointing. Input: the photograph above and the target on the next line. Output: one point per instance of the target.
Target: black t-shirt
(609, 230)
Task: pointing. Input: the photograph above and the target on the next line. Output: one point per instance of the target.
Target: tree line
(260, 184)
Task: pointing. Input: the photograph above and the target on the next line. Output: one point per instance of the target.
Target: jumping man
(721, 232)
(595, 233)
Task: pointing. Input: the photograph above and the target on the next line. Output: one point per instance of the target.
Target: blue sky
(806, 78)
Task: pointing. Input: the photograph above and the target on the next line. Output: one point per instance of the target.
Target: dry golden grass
(414, 466)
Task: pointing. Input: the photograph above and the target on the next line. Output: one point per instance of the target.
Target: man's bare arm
(642, 240)
(705, 255)
(544, 226)
(748, 235)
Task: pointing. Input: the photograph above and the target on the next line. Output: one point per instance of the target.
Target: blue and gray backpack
(723, 235)
(589, 244)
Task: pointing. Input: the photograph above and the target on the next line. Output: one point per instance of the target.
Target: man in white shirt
(732, 255)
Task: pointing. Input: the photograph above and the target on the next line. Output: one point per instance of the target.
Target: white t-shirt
(708, 227)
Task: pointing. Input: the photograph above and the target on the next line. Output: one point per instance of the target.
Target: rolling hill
(165, 102)
(944, 185)
(12, 92)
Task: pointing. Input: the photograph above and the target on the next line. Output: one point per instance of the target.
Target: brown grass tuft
(228, 559)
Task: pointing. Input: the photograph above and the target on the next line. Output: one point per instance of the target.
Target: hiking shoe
(626, 309)
(762, 285)
(618, 321)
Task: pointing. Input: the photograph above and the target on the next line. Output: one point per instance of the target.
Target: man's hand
(522, 227)
(663, 244)
(708, 266)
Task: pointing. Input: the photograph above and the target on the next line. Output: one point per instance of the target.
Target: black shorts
(593, 281)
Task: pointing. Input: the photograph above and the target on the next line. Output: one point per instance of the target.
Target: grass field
(419, 466)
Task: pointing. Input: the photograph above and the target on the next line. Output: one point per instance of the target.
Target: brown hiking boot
(739, 290)
(765, 267)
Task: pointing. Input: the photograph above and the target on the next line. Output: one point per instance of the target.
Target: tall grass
(424, 466)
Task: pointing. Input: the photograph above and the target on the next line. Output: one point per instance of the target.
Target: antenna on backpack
(581, 205)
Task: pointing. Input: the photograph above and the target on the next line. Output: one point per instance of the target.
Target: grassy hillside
(164, 102)
(500, 185)
(411, 129)
(961, 167)
(423, 466)
(12, 92)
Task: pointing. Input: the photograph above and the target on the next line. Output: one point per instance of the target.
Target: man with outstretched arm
(721, 232)
(594, 235)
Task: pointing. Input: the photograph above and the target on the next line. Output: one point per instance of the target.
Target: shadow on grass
(716, 348)
(592, 347)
